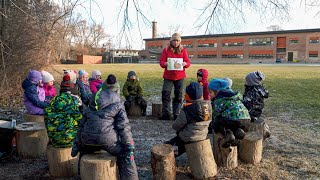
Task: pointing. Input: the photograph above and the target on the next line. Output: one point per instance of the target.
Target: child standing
(48, 87)
(34, 94)
(193, 121)
(230, 116)
(253, 97)
(83, 84)
(105, 126)
(95, 81)
(202, 76)
(133, 92)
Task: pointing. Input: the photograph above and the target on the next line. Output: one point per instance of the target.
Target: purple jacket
(95, 85)
(34, 97)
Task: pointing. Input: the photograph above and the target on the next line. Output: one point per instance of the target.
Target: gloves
(129, 150)
(75, 149)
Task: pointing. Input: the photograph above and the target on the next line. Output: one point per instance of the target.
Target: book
(175, 64)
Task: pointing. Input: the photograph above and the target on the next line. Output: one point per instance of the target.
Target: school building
(283, 46)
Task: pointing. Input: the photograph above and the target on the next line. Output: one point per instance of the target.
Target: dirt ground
(292, 152)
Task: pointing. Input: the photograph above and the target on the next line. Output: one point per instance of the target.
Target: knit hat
(218, 84)
(95, 73)
(194, 90)
(175, 36)
(230, 82)
(254, 78)
(131, 73)
(66, 84)
(34, 76)
(72, 74)
(111, 84)
(46, 77)
(82, 73)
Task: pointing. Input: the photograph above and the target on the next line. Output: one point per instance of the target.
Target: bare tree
(274, 28)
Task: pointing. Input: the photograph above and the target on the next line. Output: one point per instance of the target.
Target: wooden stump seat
(201, 160)
(98, 166)
(163, 163)
(156, 109)
(33, 118)
(134, 110)
(225, 157)
(61, 163)
(32, 139)
(250, 148)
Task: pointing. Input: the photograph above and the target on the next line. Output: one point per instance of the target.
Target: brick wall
(85, 59)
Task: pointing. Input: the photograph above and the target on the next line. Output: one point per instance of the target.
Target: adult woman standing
(174, 59)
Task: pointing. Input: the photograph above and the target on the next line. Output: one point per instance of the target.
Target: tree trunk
(163, 163)
(225, 157)
(201, 159)
(60, 162)
(156, 109)
(134, 110)
(32, 139)
(33, 118)
(250, 148)
(98, 166)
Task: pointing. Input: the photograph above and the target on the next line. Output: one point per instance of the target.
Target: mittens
(75, 149)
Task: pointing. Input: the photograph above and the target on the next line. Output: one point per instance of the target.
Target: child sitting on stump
(192, 123)
(230, 117)
(253, 98)
(133, 92)
(105, 126)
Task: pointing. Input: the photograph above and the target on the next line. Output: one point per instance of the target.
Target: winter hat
(175, 36)
(66, 84)
(218, 84)
(82, 73)
(95, 73)
(111, 84)
(72, 74)
(131, 73)
(230, 82)
(111, 79)
(254, 78)
(46, 77)
(194, 90)
(34, 76)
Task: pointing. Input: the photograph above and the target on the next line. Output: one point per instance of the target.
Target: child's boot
(229, 139)
(239, 134)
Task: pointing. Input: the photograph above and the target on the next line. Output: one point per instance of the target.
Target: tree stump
(134, 110)
(250, 148)
(33, 118)
(225, 157)
(32, 139)
(98, 166)
(61, 163)
(201, 159)
(156, 109)
(163, 163)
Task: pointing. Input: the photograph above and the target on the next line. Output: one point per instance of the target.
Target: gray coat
(193, 121)
(105, 122)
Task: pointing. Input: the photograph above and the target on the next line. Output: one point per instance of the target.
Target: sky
(168, 14)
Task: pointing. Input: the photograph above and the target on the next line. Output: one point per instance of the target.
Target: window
(232, 44)
(190, 55)
(207, 45)
(314, 40)
(261, 41)
(155, 47)
(153, 57)
(313, 54)
(207, 56)
(232, 56)
(188, 45)
(260, 56)
(293, 41)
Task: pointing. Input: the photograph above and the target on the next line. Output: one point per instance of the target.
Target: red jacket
(174, 75)
(204, 83)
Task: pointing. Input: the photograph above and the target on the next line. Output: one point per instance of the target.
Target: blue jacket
(85, 92)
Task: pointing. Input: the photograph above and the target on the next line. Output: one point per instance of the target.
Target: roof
(241, 34)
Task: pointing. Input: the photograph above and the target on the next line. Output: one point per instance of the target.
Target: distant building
(121, 56)
(251, 47)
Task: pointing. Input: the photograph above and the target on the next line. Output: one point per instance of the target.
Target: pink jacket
(95, 85)
(50, 91)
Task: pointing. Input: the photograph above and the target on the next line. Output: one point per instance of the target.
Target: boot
(239, 134)
(267, 132)
(165, 117)
(228, 140)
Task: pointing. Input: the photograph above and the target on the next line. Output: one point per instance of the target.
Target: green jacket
(132, 88)
(228, 106)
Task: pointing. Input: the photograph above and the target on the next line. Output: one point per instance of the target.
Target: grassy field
(293, 89)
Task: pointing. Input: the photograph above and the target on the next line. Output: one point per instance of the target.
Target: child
(95, 81)
(72, 79)
(230, 116)
(133, 92)
(48, 87)
(63, 116)
(254, 95)
(202, 76)
(105, 126)
(34, 94)
(83, 84)
(193, 121)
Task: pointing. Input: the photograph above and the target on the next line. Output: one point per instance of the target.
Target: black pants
(221, 126)
(177, 141)
(166, 97)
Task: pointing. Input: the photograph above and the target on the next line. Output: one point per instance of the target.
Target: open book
(175, 64)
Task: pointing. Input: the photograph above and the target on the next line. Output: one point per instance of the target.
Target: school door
(290, 56)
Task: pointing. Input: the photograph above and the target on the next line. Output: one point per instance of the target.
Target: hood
(103, 99)
(63, 102)
(229, 94)
(27, 83)
(204, 74)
